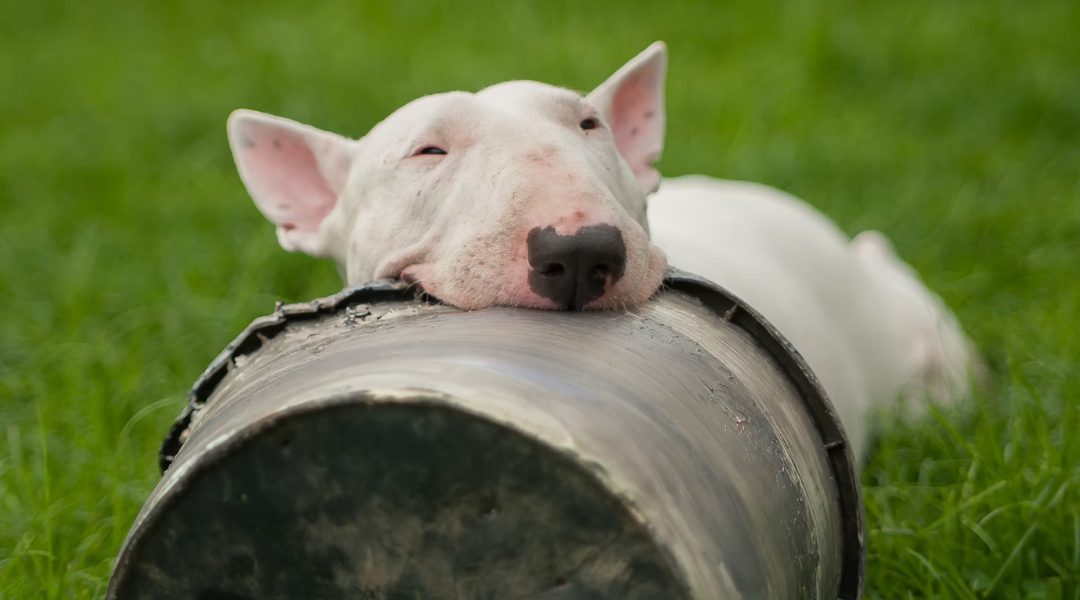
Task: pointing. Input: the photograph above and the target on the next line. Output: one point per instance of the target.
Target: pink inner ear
(637, 120)
(283, 177)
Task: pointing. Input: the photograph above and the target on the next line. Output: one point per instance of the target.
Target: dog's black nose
(573, 270)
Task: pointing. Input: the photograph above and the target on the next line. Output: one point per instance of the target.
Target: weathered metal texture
(370, 445)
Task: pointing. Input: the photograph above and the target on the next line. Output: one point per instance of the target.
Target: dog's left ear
(631, 103)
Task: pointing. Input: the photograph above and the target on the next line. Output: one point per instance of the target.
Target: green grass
(130, 253)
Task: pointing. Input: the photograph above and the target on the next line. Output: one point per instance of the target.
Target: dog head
(523, 194)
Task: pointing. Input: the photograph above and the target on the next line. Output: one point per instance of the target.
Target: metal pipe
(373, 445)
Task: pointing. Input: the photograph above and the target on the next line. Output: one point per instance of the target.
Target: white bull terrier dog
(527, 194)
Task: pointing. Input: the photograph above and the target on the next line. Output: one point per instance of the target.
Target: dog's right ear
(631, 102)
(293, 172)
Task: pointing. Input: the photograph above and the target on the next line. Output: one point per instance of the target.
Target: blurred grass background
(130, 253)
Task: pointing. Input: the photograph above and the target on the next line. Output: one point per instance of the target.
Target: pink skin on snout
(566, 211)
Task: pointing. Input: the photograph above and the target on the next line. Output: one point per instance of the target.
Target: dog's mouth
(424, 294)
(418, 288)
(510, 287)
(420, 293)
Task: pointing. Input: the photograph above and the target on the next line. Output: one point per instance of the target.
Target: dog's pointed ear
(631, 102)
(293, 172)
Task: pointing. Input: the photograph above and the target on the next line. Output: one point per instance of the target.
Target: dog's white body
(526, 194)
(859, 316)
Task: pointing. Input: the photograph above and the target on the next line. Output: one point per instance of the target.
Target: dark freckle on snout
(633, 131)
(650, 114)
(277, 143)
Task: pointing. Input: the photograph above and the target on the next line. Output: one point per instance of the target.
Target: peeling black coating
(264, 329)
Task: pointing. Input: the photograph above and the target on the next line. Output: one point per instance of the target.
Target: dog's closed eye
(430, 150)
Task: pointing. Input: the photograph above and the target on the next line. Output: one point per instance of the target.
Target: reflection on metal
(372, 445)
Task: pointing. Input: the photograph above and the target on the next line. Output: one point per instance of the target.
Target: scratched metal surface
(396, 449)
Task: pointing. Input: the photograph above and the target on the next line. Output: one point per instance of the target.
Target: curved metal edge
(258, 333)
(712, 295)
(841, 461)
(401, 397)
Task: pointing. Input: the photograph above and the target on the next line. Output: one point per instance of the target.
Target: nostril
(552, 270)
